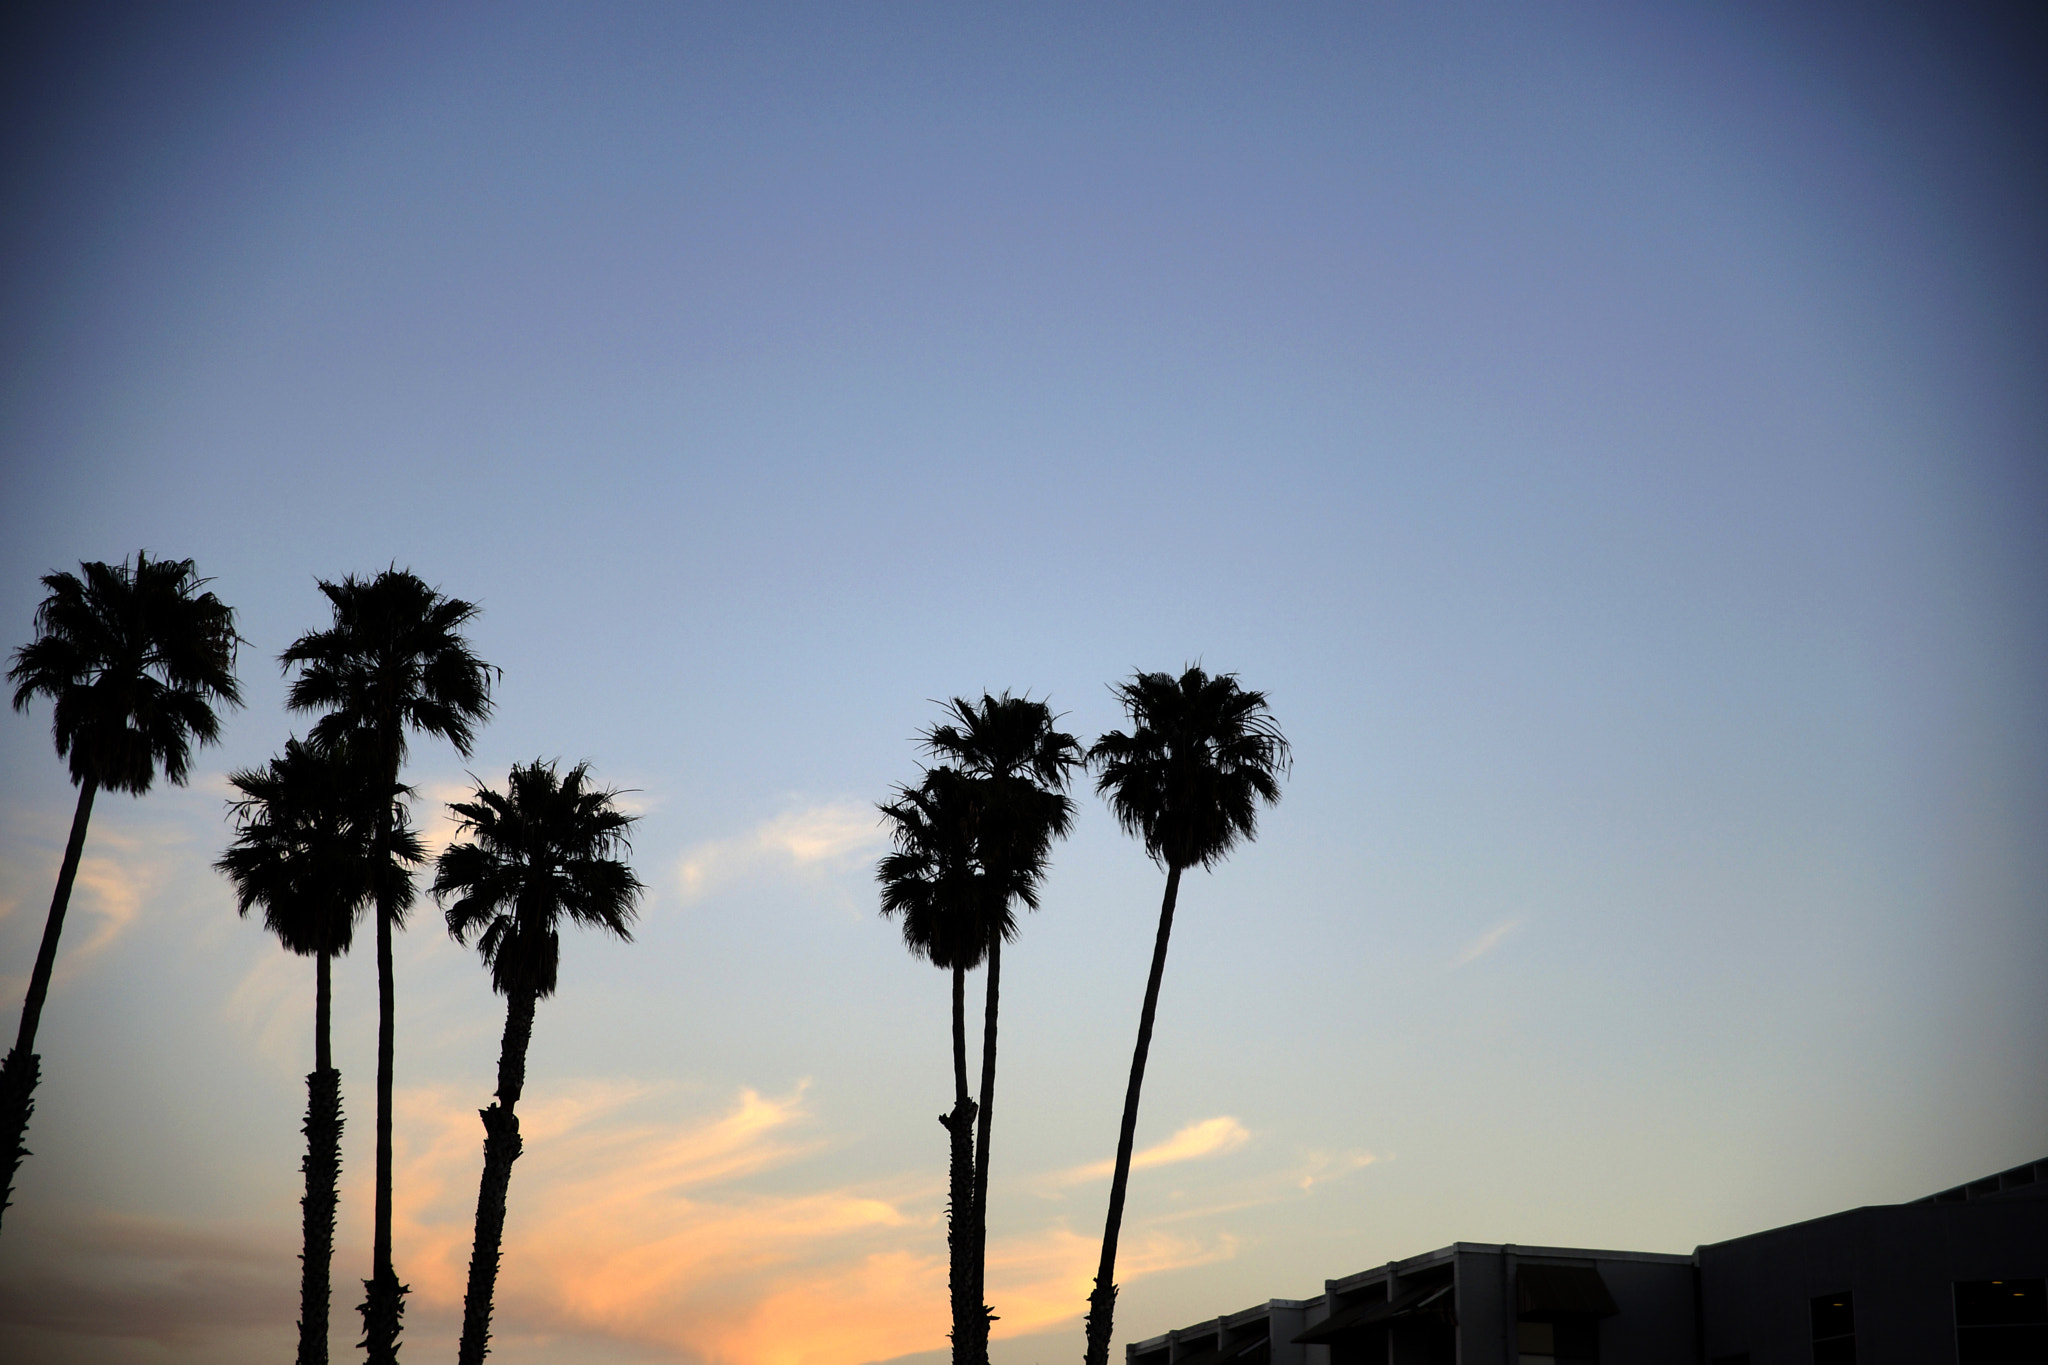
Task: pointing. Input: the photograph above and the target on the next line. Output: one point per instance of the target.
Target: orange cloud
(658, 1233)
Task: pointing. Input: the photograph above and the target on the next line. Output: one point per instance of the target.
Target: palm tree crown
(541, 850)
(931, 876)
(394, 660)
(1018, 767)
(304, 847)
(1188, 780)
(135, 659)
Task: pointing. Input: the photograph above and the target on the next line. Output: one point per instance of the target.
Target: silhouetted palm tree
(932, 880)
(393, 661)
(1188, 780)
(303, 845)
(1019, 766)
(135, 659)
(540, 852)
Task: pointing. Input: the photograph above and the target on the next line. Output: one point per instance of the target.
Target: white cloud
(827, 838)
(1486, 942)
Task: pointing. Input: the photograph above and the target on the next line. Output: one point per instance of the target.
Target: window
(1834, 1329)
(2001, 1322)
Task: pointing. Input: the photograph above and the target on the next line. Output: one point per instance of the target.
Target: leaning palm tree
(1202, 754)
(303, 850)
(135, 658)
(393, 661)
(1020, 766)
(541, 851)
(931, 879)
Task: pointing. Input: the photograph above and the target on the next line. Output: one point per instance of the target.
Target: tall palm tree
(303, 851)
(135, 658)
(540, 852)
(394, 661)
(1202, 754)
(930, 878)
(1020, 767)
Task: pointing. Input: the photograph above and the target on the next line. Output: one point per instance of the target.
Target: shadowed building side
(1955, 1277)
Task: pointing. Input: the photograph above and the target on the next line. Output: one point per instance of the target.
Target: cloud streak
(826, 838)
(1486, 942)
(1206, 1138)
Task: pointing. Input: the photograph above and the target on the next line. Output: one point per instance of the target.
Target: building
(1955, 1277)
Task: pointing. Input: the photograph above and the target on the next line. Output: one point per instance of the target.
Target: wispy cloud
(1318, 1167)
(1209, 1137)
(684, 1236)
(826, 838)
(123, 868)
(1486, 942)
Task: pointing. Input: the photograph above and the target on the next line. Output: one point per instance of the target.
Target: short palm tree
(305, 831)
(1203, 753)
(540, 852)
(394, 661)
(931, 879)
(135, 658)
(1020, 766)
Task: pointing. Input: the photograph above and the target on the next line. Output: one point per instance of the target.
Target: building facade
(1957, 1278)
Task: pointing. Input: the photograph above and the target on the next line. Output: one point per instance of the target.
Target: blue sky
(1610, 435)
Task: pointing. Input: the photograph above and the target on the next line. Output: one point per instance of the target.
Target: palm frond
(546, 848)
(1203, 754)
(135, 659)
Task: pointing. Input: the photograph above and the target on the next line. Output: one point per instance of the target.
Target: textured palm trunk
(22, 1068)
(978, 1253)
(501, 1149)
(1102, 1302)
(323, 1172)
(383, 1305)
(959, 1127)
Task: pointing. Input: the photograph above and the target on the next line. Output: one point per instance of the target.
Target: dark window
(1834, 1329)
(2001, 1322)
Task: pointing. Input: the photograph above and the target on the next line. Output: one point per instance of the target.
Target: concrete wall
(1900, 1262)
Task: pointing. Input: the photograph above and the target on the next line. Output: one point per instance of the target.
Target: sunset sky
(1612, 435)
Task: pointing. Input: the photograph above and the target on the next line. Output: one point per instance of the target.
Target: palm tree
(303, 851)
(1020, 766)
(1188, 780)
(135, 658)
(932, 880)
(539, 852)
(393, 661)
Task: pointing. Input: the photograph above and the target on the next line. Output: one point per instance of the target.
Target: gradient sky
(1612, 435)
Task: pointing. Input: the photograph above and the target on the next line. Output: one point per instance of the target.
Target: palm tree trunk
(959, 1126)
(323, 1169)
(1102, 1303)
(383, 1306)
(978, 1253)
(501, 1148)
(21, 1070)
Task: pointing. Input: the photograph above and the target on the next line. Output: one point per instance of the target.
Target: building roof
(1421, 1301)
